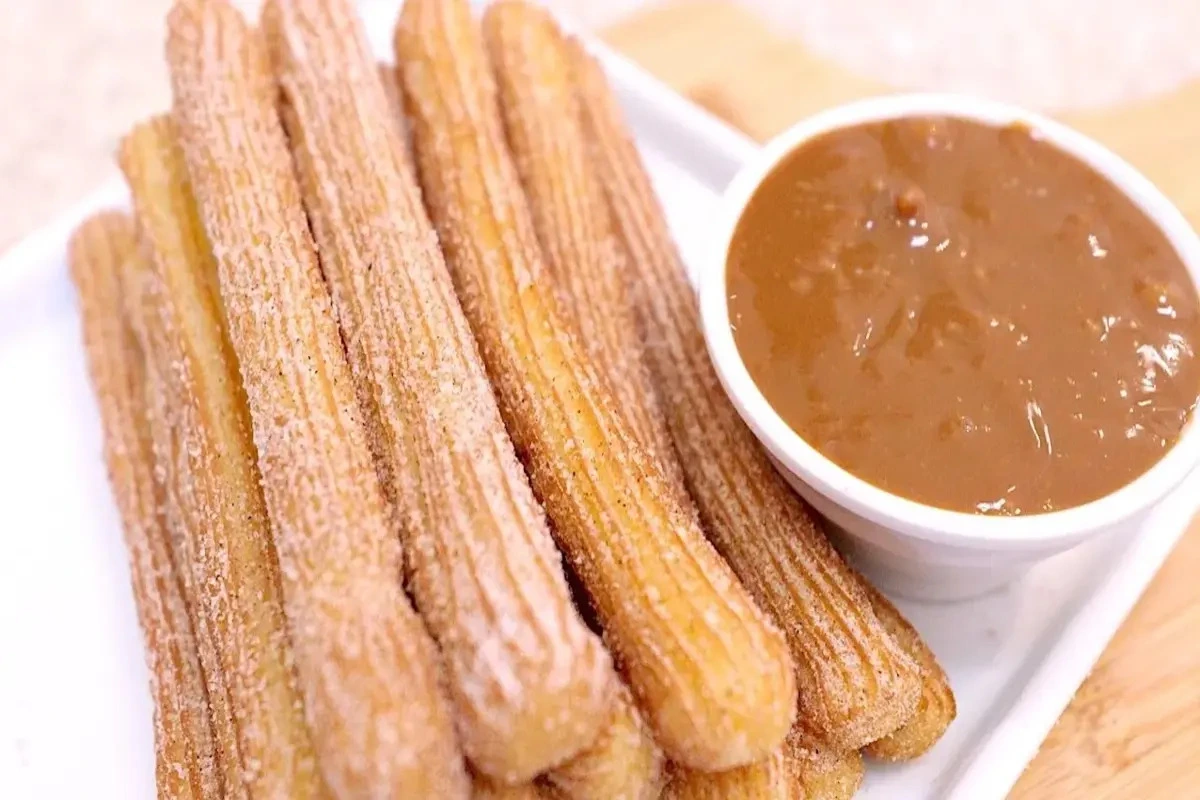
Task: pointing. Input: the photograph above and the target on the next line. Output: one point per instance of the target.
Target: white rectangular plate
(74, 707)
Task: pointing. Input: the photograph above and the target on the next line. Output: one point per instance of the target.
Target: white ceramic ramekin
(907, 547)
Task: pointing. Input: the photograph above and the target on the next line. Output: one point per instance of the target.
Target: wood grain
(1133, 728)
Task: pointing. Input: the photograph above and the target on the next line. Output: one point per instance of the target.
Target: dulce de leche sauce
(964, 315)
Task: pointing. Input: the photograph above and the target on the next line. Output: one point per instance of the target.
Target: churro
(143, 294)
(624, 763)
(710, 672)
(379, 720)
(186, 765)
(799, 770)
(531, 685)
(936, 709)
(571, 216)
(856, 684)
(211, 460)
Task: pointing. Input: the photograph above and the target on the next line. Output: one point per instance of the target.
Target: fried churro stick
(799, 770)
(532, 686)
(211, 458)
(379, 720)
(936, 709)
(624, 763)
(143, 294)
(712, 675)
(186, 766)
(542, 120)
(856, 684)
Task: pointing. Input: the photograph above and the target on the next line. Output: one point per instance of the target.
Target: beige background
(77, 73)
(74, 75)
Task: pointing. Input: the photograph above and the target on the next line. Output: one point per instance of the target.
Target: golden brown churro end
(624, 763)
(800, 770)
(937, 707)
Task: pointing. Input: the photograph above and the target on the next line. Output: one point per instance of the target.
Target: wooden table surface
(1133, 729)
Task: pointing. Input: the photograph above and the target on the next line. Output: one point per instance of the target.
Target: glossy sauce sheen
(964, 315)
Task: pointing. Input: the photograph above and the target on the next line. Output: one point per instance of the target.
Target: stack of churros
(711, 674)
(391, 359)
(186, 765)
(531, 685)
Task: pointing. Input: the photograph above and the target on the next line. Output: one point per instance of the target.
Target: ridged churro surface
(143, 296)
(211, 465)
(380, 722)
(711, 674)
(186, 763)
(856, 684)
(542, 120)
(937, 707)
(531, 684)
